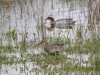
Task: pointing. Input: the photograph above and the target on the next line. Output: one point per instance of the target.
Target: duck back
(63, 24)
(53, 48)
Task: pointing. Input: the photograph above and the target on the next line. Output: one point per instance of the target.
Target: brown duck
(60, 23)
(52, 48)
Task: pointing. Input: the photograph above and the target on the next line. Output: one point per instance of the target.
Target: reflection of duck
(52, 48)
(60, 23)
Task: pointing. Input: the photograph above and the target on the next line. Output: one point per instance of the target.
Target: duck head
(43, 42)
(50, 18)
(52, 23)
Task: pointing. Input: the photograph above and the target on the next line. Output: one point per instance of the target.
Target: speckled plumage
(52, 48)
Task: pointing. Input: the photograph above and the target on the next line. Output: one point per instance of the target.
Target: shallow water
(25, 17)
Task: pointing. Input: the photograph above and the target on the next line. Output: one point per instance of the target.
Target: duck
(60, 23)
(52, 48)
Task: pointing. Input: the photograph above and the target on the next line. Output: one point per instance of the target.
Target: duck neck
(52, 26)
(52, 23)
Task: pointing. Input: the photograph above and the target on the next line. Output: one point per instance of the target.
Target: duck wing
(63, 24)
(53, 48)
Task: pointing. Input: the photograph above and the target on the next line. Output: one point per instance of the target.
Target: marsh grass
(44, 60)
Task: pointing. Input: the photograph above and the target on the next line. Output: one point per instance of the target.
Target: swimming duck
(60, 23)
(52, 48)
